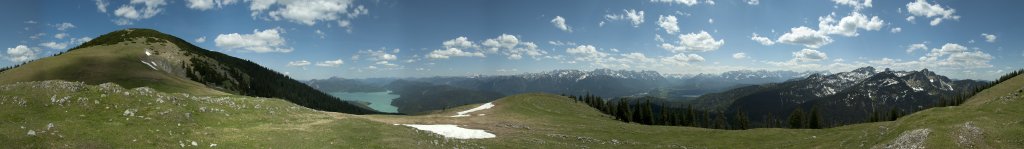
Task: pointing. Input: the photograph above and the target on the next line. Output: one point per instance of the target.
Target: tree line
(643, 111)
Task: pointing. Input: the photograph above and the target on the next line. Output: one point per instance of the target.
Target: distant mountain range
(844, 97)
(601, 82)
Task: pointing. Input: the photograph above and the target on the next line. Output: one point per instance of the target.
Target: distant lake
(380, 101)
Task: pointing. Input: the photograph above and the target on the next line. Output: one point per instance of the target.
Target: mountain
(146, 57)
(419, 97)
(844, 97)
(335, 84)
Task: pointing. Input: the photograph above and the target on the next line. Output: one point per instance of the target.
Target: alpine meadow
(904, 74)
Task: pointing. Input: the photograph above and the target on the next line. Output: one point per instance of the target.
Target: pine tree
(814, 121)
(796, 119)
(742, 121)
(648, 113)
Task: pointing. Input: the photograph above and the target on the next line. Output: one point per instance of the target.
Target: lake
(380, 101)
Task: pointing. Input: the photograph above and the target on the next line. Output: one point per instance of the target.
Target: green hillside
(145, 57)
(91, 116)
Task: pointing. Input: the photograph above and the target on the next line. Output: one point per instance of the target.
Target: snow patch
(153, 65)
(453, 131)
(147, 52)
(466, 113)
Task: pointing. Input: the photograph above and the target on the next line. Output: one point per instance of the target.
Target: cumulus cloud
(299, 63)
(586, 51)
(21, 53)
(805, 36)
(896, 30)
(380, 55)
(461, 43)
(201, 39)
(917, 46)
(101, 5)
(740, 55)
(668, 23)
(309, 12)
(332, 63)
(450, 52)
(694, 42)
(847, 26)
(512, 47)
(60, 35)
(685, 2)
(753, 2)
(682, 59)
(264, 41)
(989, 37)
(54, 45)
(635, 17)
(923, 9)
(129, 13)
(559, 23)
(208, 4)
(64, 26)
(762, 40)
(809, 55)
(856, 4)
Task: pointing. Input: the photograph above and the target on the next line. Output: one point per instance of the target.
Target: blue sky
(386, 38)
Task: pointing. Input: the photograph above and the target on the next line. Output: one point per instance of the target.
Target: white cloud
(896, 30)
(128, 13)
(635, 17)
(201, 39)
(924, 9)
(380, 55)
(208, 4)
(711, 21)
(64, 26)
(740, 55)
(710, 2)
(682, 59)
(461, 43)
(847, 26)
(512, 47)
(60, 35)
(809, 55)
(668, 23)
(856, 4)
(562, 43)
(54, 45)
(20, 53)
(762, 40)
(333, 63)
(805, 36)
(559, 23)
(450, 52)
(299, 63)
(101, 5)
(694, 42)
(308, 12)
(918, 46)
(268, 40)
(753, 2)
(505, 41)
(989, 37)
(586, 52)
(685, 2)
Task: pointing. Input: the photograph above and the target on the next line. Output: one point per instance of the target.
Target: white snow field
(453, 131)
(481, 107)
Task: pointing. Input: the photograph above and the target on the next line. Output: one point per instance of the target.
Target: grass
(101, 64)
(519, 121)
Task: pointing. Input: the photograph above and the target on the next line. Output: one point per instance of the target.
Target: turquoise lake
(380, 101)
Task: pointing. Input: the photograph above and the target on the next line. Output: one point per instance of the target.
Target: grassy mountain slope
(146, 57)
(991, 119)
